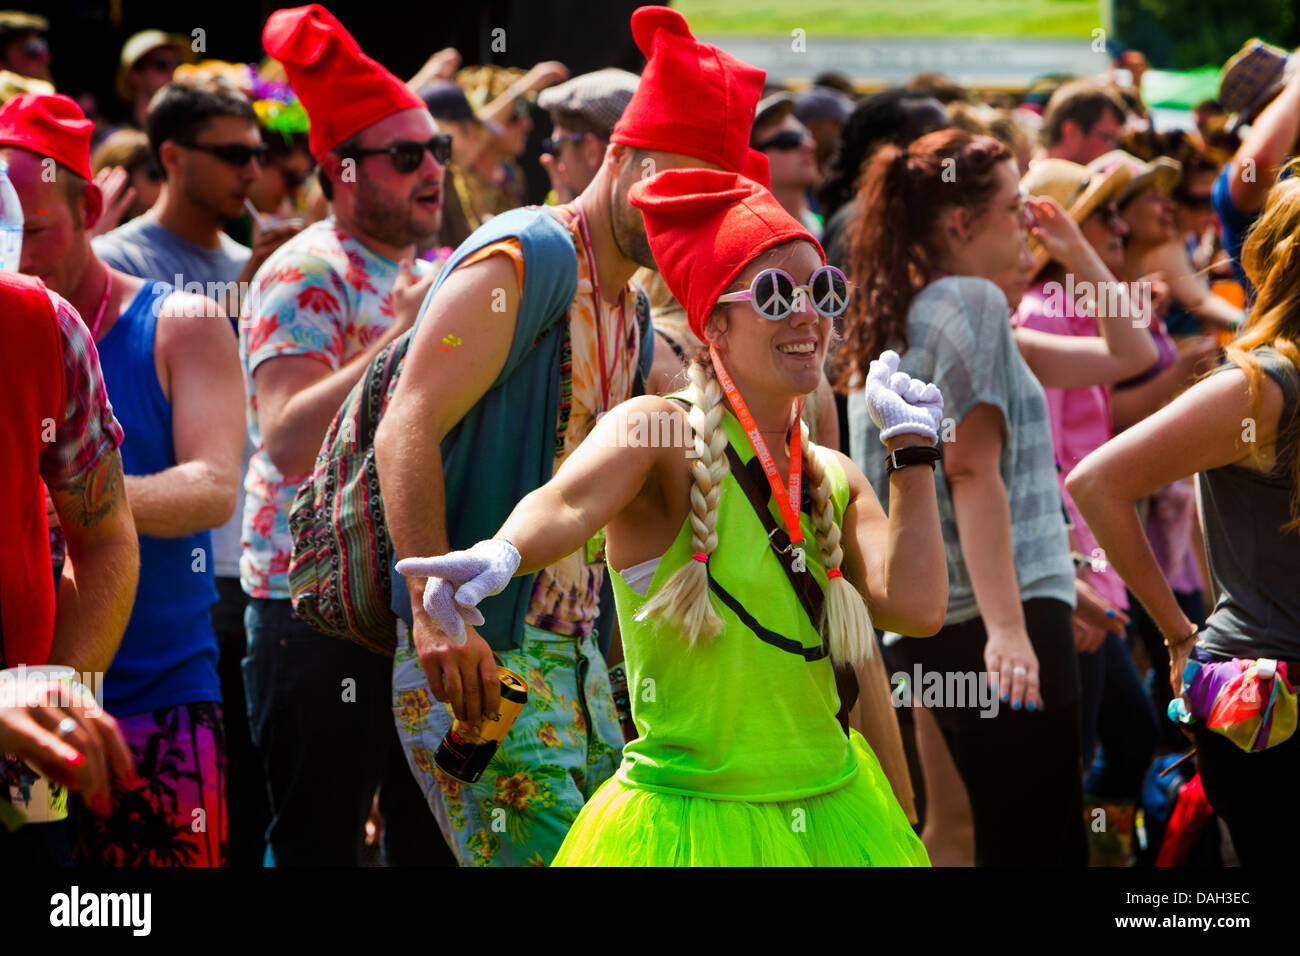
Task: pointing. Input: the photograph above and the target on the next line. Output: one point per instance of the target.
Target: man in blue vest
(532, 331)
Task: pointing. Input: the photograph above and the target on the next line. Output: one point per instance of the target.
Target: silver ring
(66, 726)
(1018, 670)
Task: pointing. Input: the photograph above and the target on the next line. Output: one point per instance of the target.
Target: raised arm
(1200, 430)
(203, 384)
(1124, 347)
(1272, 139)
(897, 562)
(1189, 288)
(434, 392)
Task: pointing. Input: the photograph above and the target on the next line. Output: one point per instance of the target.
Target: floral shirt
(325, 295)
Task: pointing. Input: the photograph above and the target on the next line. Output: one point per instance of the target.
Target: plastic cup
(37, 798)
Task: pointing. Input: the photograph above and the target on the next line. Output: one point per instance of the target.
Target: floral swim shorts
(562, 747)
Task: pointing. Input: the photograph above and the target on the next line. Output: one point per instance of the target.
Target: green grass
(894, 18)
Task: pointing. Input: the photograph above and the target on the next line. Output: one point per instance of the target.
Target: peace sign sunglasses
(773, 293)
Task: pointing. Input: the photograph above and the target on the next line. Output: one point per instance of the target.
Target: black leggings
(1022, 770)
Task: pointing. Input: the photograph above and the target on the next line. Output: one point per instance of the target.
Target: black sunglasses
(1195, 200)
(236, 154)
(407, 155)
(786, 139)
(551, 145)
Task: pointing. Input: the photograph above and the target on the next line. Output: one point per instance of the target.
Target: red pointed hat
(705, 226)
(342, 89)
(52, 126)
(693, 99)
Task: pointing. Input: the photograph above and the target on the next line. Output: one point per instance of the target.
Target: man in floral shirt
(321, 307)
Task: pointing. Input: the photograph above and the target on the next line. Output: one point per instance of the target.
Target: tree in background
(1183, 34)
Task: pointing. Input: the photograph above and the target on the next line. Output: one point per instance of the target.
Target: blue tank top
(168, 655)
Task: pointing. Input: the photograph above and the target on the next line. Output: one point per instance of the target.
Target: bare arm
(96, 595)
(433, 394)
(594, 485)
(897, 562)
(298, 396)
(1200, 430)
(1130, 405)
(1272, 139)
(1189, 288)
(972, 464)
(206, 392)
(1071, 361)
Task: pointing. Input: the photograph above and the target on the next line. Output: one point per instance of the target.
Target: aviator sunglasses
(774, 293)
(407, 155)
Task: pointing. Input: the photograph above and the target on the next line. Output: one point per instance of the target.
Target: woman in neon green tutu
(732, 618)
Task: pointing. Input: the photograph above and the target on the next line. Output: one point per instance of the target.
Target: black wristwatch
(912, 455)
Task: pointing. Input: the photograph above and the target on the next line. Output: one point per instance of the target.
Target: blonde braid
(684, 601)
(845, 619)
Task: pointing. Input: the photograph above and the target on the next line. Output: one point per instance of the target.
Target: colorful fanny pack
(1250, 702)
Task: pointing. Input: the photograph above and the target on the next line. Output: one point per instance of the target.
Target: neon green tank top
(737, 717)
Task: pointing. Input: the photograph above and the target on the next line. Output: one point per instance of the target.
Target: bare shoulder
(190, 315)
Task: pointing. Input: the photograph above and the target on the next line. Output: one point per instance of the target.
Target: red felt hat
(342, 89)
(705, 226)
(52, 126)
(693, 99)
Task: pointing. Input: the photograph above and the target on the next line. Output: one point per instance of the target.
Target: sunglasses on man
(786, 140)
(551, 145)
(235, 154)
(407, 155)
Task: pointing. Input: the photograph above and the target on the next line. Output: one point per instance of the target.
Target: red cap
(693, 99)
(342, 89)
(52, 126)
(705, 226)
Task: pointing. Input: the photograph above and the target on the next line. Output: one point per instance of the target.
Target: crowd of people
(318, 431)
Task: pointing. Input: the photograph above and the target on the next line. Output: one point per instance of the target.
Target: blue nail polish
(1006, 697)
(1110, 612)
(1016, 705)
(1031, 706)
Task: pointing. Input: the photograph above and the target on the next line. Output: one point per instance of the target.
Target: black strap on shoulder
(805, 585)
(672, 343)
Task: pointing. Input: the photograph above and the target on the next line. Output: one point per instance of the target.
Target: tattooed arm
(99, 579)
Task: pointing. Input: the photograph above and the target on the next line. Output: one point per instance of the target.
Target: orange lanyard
(788, 503)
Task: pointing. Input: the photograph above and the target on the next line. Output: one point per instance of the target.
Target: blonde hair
(684, 602)
(1271, 260)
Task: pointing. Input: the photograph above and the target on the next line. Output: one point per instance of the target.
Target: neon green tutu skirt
(860, 824)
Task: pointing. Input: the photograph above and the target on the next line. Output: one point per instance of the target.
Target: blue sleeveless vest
(168, 655)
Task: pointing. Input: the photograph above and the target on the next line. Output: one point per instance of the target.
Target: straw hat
(1079, 190)
(1162, 171)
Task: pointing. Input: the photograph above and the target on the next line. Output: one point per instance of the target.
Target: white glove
(459, 580)
(900, 404)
